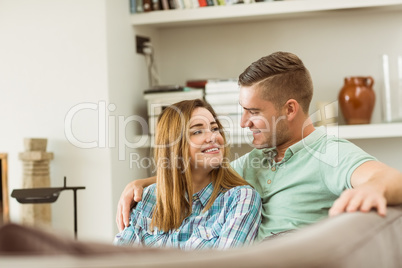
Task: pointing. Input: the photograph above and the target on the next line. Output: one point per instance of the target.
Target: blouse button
(273, 168)
(269, 181)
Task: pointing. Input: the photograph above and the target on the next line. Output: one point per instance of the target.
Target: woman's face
(205, 140)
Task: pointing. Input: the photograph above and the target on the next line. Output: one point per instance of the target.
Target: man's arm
(374, 186)
(132, 194)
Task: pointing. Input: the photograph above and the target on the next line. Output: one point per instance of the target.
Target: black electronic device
(46, 195)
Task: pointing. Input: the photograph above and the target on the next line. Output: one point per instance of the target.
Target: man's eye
(251, 112)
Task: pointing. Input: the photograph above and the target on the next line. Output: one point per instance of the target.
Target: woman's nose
(211, 136)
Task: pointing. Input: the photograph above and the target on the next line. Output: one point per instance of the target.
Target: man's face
(269, 127)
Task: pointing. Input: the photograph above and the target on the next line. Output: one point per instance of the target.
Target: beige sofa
(349, 240)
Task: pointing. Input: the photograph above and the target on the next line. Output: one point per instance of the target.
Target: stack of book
(140, 6)
(223, 95)
(158, 98)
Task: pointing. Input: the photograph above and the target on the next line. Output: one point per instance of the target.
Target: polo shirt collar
(270, 153)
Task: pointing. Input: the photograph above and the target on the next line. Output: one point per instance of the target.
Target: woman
(224, 211)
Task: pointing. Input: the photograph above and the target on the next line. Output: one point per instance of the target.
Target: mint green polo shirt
(300, 189)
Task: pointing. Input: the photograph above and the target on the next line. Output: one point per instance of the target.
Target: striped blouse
(232, 221)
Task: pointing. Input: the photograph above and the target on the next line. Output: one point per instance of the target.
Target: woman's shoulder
(242, 192)
(150, 189)
(148, 199)
(242, 197)
(149, 192)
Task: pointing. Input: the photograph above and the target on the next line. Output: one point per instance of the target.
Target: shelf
(371, 131)
(350, 132)
(255, 11)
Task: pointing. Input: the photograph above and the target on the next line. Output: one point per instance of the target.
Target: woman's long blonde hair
(174, 181)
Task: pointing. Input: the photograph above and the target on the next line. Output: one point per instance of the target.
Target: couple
(302, 175)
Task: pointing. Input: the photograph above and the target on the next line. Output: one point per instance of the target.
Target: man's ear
(291, 107)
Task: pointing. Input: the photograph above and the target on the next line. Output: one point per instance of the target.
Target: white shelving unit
(156, 22)
(256, 11)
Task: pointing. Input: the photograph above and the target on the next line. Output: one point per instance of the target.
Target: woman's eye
(215, 129)
(197, 132)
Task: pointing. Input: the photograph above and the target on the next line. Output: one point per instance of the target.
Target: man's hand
(375, 184)
(362, 199)
(132, 194)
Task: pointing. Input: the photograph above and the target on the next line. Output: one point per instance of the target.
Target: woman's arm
(242, 220)
(132, 194)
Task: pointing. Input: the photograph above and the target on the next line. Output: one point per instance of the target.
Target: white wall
(127, 79)
(54, 56)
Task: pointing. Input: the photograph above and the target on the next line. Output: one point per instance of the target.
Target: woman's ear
(292, 107)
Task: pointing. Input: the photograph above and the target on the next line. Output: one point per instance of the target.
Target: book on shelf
(223, 98)
(166, 88)
(156, 5)
(230, 121)
(202, 3)
(172, 4)
(219, 81)
(195, 3)
(171, 96)
(179, 4)
(227, 109)
(158, 98)
(231, 124)
(133, 6)
(164, 4)
(147, 5)
(197, 83)
(221, 85)
(139, 6)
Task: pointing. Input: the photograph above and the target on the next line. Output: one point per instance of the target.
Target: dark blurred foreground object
(348, 240)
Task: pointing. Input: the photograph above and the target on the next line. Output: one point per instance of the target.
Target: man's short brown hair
(280, 76)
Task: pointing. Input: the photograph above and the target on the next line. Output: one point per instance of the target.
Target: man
(301, 173)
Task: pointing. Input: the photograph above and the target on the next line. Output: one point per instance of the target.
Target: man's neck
(307, 130)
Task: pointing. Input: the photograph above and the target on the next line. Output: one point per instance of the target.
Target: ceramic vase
(356, 99)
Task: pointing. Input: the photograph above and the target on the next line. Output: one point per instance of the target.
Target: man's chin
(259, 145)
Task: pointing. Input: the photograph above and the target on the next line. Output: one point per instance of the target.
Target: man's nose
(245, 120)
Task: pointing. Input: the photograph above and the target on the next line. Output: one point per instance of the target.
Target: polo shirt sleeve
(243, 218)
(339, 160)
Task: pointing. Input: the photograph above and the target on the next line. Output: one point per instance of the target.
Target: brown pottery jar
(356, 99)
